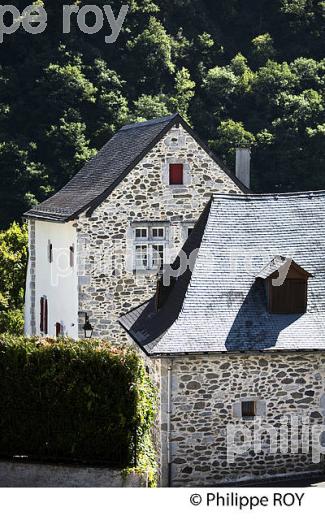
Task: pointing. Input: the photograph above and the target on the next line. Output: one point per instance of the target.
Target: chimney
(243, 166)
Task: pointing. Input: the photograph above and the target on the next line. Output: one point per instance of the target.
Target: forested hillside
(240, 71)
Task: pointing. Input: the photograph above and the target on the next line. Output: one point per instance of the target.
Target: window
(141, 233)
(58, 329)
(158, 232)
(288, 298)
(248, 409)
(149, 246)
(157, 256)
(43, 315)
(50, 252)
(176, 174)
(141, 257)
(71, 256)
(189, 231)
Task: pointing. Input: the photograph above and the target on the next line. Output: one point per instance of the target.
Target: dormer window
(176, 174)
(288, 298)
(286, 286)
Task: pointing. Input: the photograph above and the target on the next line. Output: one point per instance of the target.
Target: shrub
(75, 401)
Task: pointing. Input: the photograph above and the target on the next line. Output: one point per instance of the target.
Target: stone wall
(108, 287)
(206, 398)
(18, 474)
(30, 310)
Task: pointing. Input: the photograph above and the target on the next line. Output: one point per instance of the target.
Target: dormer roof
(280, 264)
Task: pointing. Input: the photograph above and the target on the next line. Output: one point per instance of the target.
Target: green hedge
(75, 401)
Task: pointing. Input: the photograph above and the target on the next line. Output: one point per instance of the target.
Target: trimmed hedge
(75, 401)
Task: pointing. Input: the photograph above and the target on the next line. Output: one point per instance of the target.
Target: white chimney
(243, 166)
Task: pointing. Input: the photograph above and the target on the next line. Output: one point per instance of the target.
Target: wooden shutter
(289, 298)
(176, 174)
(248, 408)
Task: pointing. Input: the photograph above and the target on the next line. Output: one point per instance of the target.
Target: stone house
(95, 247)
(235, 334)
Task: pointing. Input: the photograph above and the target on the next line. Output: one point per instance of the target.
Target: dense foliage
(83, 401)
(13, 261)
(241, 71)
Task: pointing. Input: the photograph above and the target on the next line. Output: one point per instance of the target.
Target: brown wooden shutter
(248, 408)
(290, 297)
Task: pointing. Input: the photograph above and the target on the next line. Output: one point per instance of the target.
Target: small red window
(176, 173)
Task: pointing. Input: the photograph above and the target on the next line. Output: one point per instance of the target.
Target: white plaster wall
(58, 281)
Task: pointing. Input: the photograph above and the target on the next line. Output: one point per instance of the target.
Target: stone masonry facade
(108, 285)
(206, 395)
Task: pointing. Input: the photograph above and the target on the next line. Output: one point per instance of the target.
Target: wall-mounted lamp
(87, 328)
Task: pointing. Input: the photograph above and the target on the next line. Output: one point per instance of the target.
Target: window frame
(150, 243)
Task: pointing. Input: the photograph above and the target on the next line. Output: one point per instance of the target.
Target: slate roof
(97, 179)
(223, 307)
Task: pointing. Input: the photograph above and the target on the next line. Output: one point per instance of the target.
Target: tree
(13, 260)
(184, 92)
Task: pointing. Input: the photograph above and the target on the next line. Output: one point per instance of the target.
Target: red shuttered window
(176, 174)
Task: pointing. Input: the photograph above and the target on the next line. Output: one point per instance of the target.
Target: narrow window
(43, 315)
(71, 256)
(176, 174)
(157, 256)
(248, 409)
(141, 257)
(50, 252)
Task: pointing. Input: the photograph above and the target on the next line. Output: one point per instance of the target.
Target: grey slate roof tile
(224, 306)
(101, 172)
(112, 163)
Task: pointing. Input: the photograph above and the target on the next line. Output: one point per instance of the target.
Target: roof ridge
(150, 122)
(255, 196)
